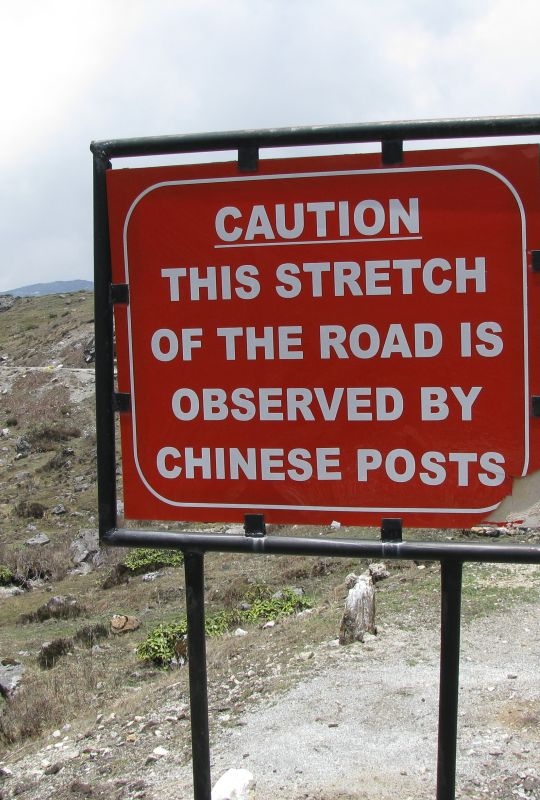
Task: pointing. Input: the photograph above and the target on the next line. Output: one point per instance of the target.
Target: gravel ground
(363, 726)
(357, 723)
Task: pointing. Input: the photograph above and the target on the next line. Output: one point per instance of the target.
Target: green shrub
(286, 603)
(148, 559)
(6, 575)
(158, 647)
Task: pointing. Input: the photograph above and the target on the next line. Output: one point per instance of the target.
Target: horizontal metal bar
(320, 134)
(520, 553)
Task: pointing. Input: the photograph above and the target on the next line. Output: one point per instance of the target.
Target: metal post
(104, 343)
(198, 684)
(451, 578)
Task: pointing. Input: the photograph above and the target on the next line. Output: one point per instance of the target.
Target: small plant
(6, 575)
(147, 559)
(284, 604)
(159, 645)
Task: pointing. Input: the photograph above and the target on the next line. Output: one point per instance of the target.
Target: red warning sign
(328, 339)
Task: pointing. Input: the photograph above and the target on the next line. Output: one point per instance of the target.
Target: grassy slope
(42, 333)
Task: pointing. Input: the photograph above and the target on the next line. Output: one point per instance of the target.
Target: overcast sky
(74, 71)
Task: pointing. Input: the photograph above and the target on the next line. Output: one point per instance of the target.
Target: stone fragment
(235, 784)
(38, 539)
(378, 572)
(22, 446)
(124, 623)
(60, 607)
(85, 548)
(79, 787)
(53, 769)
(148, 577)
(306, 655)
(235, 530)
(11, 674)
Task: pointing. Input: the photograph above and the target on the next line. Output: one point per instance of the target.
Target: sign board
(328, 338)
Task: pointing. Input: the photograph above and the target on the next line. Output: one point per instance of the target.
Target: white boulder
(235, 784)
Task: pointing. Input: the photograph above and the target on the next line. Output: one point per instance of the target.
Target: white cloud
(77, 71)
(50, 54)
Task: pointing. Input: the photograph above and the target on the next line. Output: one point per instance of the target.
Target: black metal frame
(451, 555)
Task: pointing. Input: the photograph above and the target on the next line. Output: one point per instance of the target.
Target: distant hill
(56, 287)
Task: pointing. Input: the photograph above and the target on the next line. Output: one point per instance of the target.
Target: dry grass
(110, 678)
(43, 703)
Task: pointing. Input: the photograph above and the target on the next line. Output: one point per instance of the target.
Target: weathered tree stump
(359, 613)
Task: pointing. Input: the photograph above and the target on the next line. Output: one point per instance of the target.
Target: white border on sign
(311, 175)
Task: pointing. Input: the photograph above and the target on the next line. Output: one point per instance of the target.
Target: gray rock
(53, 769)
(11, 591)
(11, 673)
(235, 784)
(82, 788)
(58, 607)
(85, 548)
(148, 577)
(378, 572)
(38, 539)
(22, 446)
(5, 772)
(82, 569)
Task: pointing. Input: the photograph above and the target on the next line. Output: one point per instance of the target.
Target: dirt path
(363, 726)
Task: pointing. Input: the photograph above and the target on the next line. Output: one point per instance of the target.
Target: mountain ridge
(52, 287)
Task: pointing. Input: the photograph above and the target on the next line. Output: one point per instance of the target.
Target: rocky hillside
(55, 287)
(47, 439)
(93, 686)
(74, 617)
